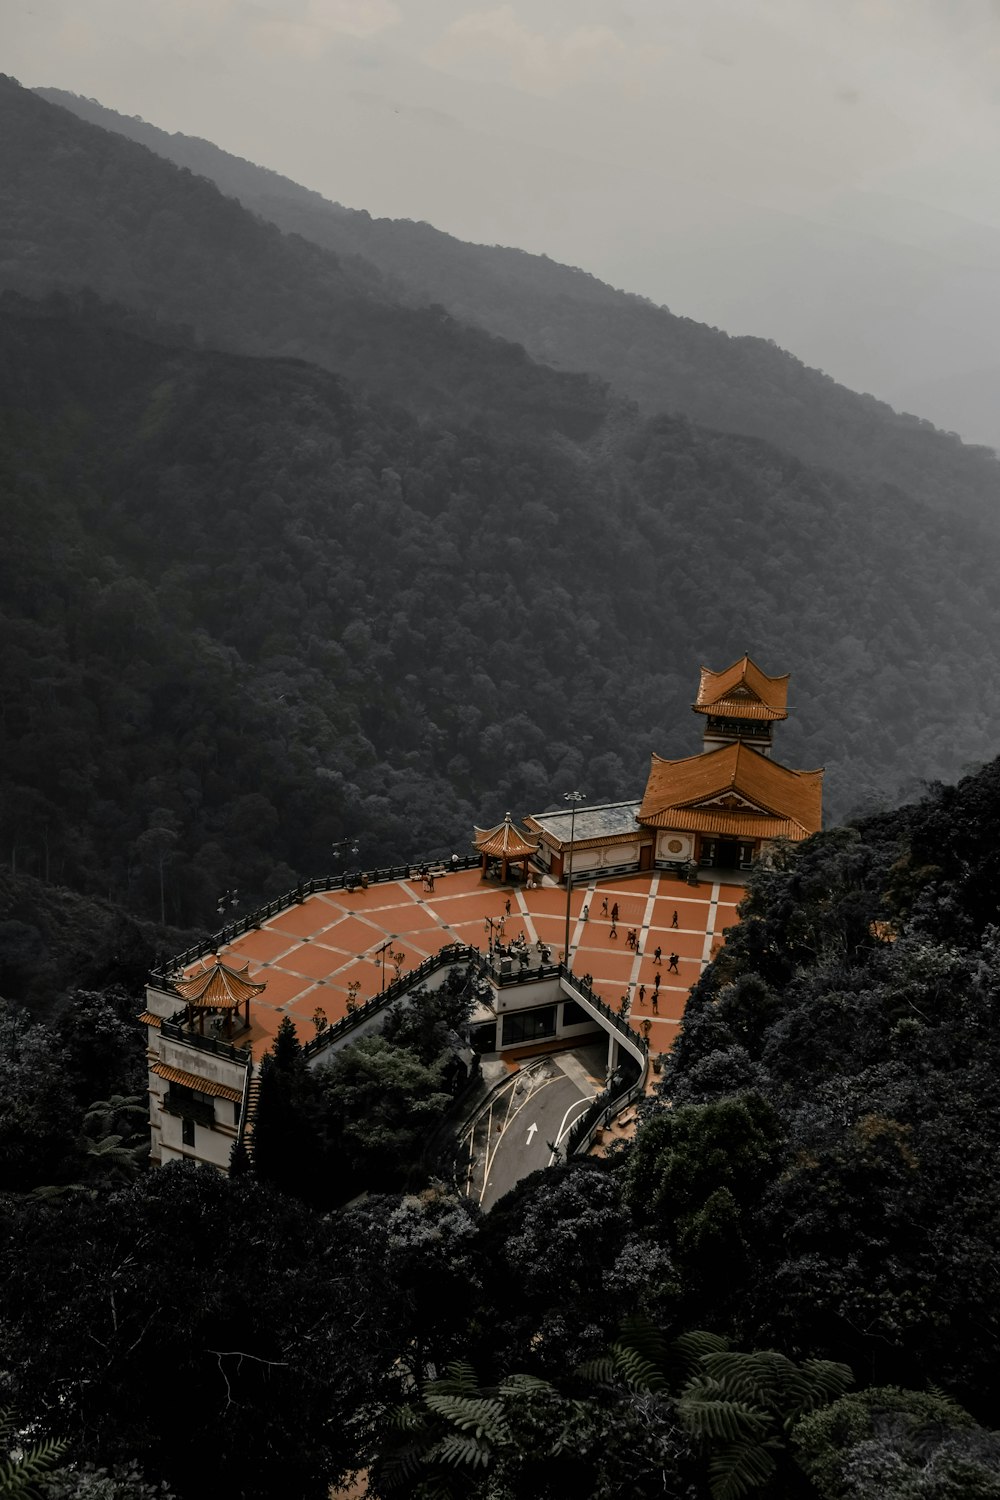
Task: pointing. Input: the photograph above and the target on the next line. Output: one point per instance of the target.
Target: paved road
(516, 1133)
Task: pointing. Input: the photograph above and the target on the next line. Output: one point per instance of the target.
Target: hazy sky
(825, 173)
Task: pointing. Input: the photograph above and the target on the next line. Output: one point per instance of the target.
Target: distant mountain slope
(247, 612)
(82, 207)
(573, 321)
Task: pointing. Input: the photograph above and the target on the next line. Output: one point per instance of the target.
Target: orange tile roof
(504, 841)
(742, 691)
(192, 1081)
(218, 987)
(677, 791)
(149, 1019)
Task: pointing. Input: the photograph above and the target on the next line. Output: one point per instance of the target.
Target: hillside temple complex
(578, 924)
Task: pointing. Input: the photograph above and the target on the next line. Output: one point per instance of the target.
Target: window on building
(187, 1132)
(573, 1014)
(529, 1025)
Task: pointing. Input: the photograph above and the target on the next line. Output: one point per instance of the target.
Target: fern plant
(742, 1407)
(22, 1469)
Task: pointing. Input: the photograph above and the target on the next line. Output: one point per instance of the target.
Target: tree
(900, 1445)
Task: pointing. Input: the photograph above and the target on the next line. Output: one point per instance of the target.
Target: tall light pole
(380, 957)
(573, 798)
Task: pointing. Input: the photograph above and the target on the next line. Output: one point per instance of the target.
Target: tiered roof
(742, 691)
(218, 987)
(733, 792)
(505, 841)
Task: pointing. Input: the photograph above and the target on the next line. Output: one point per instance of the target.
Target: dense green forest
(785, 1288)
(248, 612)
(289, 559)
(569, 319)
(290, 556)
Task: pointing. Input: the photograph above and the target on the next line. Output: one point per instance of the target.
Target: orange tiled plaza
(592, 915)
(309, 955)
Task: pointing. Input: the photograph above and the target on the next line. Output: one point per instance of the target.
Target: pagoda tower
(741, 705)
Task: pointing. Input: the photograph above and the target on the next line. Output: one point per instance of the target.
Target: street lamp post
(380, 955)
(340, 844)
(573, 798)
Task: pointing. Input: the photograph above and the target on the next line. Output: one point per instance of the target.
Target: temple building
(716, 810)
(542, 978)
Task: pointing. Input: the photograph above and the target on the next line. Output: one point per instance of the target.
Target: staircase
(253, 1096)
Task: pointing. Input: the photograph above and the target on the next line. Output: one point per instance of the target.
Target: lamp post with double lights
(380, 957)
(228, 898)
(574, 799)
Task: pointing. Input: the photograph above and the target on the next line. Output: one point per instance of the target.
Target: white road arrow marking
(531, 1131)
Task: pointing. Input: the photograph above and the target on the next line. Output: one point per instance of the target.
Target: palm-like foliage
(22, 1470)
(742, 1407)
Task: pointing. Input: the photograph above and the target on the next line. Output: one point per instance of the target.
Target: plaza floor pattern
(310, 955)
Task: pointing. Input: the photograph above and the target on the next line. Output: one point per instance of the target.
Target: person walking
(658, 955)
(585, 914)
(614, 913)
(604, 907)
(673, 920)
(642, 994)
(507, 907)
(614, 932)
(672, 965)
(656, 1000)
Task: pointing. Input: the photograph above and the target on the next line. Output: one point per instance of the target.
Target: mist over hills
(290, 559)
(569, 319)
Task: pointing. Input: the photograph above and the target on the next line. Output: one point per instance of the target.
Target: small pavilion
(506, 844)
(218, 988)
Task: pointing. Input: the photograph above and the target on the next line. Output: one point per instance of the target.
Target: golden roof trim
(200, 1085)
(744, 677)
(218, 987)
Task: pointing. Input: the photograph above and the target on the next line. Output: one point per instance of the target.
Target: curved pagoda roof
(218, 987)
(742, 691)
(505, 841)
(734, 791)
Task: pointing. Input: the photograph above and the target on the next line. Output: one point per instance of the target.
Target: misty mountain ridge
(290, 544)
(567, 318)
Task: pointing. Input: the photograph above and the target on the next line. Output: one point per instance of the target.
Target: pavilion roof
(742, 691)
(218, 987)
(505, 841)
(734, 790)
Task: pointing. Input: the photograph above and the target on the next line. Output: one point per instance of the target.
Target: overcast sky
(825, 173)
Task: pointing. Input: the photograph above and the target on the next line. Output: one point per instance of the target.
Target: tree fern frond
(638, 1373)
(640, 1333)
(828, 1378)
(459, 1379)
(692, 1347)
(462, 1451)
(483, 1416)
(722, 1421)
(739, 1468)
(600, 1371)
(406, 1418)
(521, 1384)
(19, 1476)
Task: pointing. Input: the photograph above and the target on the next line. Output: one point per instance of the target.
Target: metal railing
(452, 953)
(600, 1112)
(175, 1031)
(160, 975)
